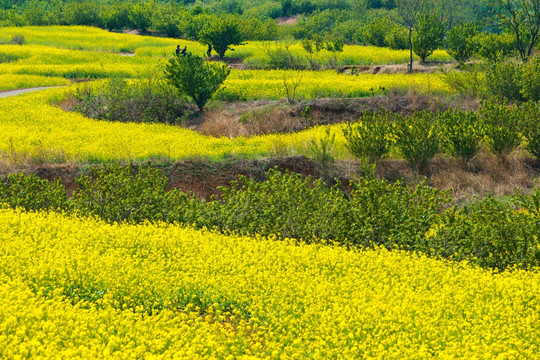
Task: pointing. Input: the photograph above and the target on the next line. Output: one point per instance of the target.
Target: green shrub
(371, 137)
(195, 77)
(460, 42)
(503, 81)
(17, 39)
(32, 193)
(490, 233)
(393, 215)
(117, 194)
(501, 126)
(494, 47)
(285, 205)
(147, 100)
(470, 83)
(461, 134)
(375, 32)
(280, 57)
(417, 139)
(397, 39)
(530, 127)
(530, 80)
(321, 150)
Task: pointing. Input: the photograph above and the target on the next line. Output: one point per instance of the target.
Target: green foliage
(417, 139)
(392, 215)
(322, 153)
(117, 17)
(285, 205)
(397, 39)
(371, 137)
(428, 37)
(460, 42)
(280, 57)
(147, 100)
(17, 39)
(375, 32)
(140, 16)
(470, 83)
(32, 193)
(490, 233)
(522, 19)
(82, 13)
(335, 45)
(501, 127)
(221, 35)
(503, 81)
(166, 21)
(117, 194)
(195, 77)
(461, 134)
(530, 126)
(530, 80)
(494, 47)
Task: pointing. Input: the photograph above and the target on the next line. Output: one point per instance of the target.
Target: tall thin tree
(407, 14)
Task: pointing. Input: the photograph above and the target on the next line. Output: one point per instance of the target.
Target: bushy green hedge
(492, 233)
(501, 127)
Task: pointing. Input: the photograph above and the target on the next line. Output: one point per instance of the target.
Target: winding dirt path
(8, 93)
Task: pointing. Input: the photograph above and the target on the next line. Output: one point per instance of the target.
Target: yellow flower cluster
(91, 38)
(32, 127)
(73, 287)
(53, 62)
(270, 84)
(84, 38)
(14, 81)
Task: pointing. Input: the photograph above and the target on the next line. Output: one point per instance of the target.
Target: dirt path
(8, 93)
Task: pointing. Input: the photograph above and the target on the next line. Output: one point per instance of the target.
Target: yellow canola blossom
(91, 38)
(73, 287)
(31, 126)
(270, 84)
(84, 38)
(14, 81)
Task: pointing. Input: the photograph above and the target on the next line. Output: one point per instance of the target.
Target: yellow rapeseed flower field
(33, 126)
(80, 288)
(91, 38)
(270, 84)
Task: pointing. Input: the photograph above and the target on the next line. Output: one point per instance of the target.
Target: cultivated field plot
(123, 236)
(81, 288)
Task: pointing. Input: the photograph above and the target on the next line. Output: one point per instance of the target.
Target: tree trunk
(410, 50)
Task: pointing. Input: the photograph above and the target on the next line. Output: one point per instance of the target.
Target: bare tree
(407, 14)
(524, 22)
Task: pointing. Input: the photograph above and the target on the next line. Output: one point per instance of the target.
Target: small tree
(140, 17)
(196, 78)
(523, 20)
(371, 137)
(461, 42)
(429, 36)
(221, 35)
(407, 15)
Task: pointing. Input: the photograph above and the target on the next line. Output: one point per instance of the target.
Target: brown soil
(232, 63)
(265, 117)
(291, 20)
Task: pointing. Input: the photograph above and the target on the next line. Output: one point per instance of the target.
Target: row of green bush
(418, 137)
(491, 233)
